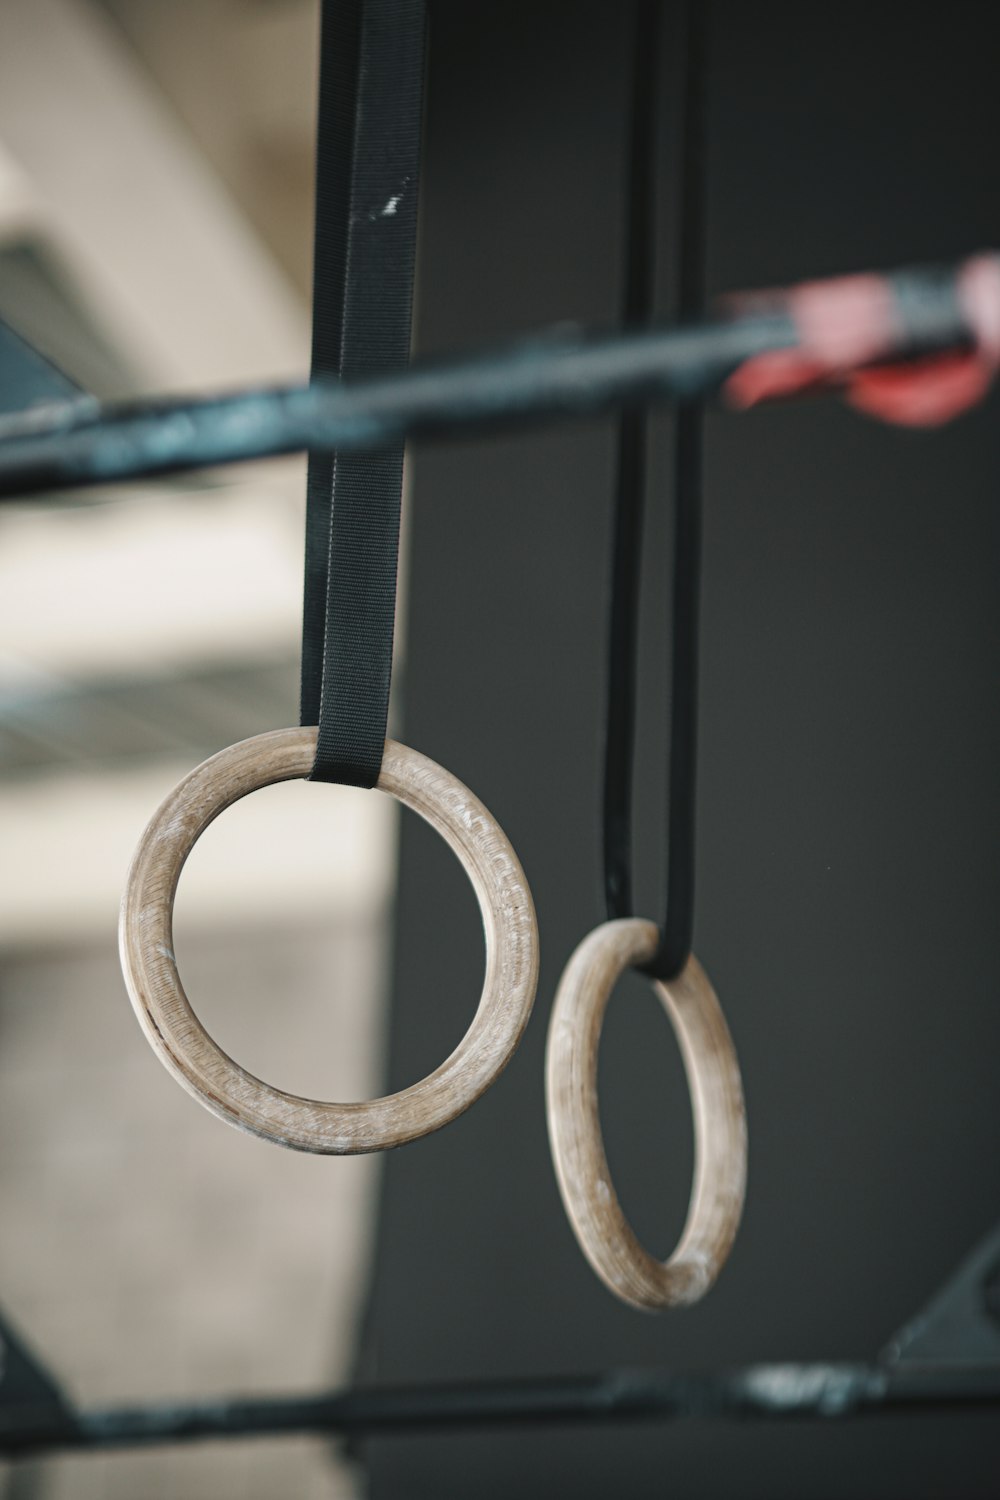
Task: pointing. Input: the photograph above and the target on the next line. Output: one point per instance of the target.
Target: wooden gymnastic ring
(200, 1065)
(604, 1234)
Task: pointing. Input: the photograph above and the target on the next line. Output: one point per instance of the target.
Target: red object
(844, 325)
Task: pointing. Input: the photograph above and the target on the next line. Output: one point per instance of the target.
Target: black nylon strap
(676, 933)
(368, 154)
(637, 310)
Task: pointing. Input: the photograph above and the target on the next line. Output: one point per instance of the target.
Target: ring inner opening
(284, 925)
(645, 1114)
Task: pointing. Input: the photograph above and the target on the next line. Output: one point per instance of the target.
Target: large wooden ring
(713, 1074)
(200, 1065)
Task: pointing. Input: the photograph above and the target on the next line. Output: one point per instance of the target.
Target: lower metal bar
(775, 1392)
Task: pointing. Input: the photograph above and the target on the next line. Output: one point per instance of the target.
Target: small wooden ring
(604, 1234)
(200, 1065)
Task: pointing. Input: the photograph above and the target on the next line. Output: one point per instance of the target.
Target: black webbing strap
(637, 309)
(368, 155)
(676, 933)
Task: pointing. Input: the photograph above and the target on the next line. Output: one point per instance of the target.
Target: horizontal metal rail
(79, 441)
(776, 1392)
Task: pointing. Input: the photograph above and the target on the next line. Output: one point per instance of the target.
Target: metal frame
(946, 1359)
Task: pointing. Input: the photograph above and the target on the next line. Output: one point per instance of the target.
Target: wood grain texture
(200, 1065)
(604, 1234)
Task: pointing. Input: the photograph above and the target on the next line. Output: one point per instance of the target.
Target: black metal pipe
(768, 1392)
(76, 443)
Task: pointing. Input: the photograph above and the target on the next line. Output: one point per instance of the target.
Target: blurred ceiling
(241, 75)
(156, 163)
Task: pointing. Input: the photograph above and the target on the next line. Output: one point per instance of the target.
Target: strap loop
(368, 154)
(676, 935)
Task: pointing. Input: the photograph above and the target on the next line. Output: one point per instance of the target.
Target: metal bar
(30, 1395)
(776, 1392)
(27, 377)
(76, 443)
